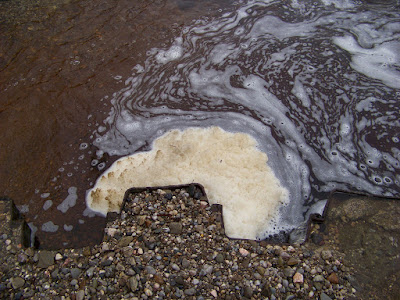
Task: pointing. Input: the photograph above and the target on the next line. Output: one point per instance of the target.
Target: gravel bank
(169, 245)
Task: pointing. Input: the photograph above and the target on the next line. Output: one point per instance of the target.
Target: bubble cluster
(313, 83)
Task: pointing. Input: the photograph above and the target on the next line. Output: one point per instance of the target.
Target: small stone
(175, 267)
(75, 272)
(125, 241)
(111, 231)
(175, 228)
(214, 293)
(22, 258)
(243, 252)
(326, 254)
(80, 295)
(46, 259)
(298, 278)
(288, 272)
(248, 292)
(190, 292)
(90, 271)
(333, 278)
(59, 257)
(158, 279)
(318, 278)
(292, 261)
(150, 270)
(133, 284)
(207, 269)
(148, 292)
(185, 263)
(284, 255)
(74, 282)
(17, 282)
(325, 297)
(219, 258)
(141, 220)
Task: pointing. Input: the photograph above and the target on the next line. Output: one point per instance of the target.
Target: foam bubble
(47, 204)
(232, 170)
(70, 201)
(49, 227)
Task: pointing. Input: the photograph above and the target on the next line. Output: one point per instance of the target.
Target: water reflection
(315, 82)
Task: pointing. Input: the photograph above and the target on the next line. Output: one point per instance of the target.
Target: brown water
(57, 61)
(296, 76)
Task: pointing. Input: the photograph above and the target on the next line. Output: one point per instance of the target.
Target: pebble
(298, 278)
(173, 249)
(333, 278)
(175, 228)
(214, 293)
(243, 252)
(17, 282)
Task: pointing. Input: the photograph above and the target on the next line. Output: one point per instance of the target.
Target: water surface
(316, 83)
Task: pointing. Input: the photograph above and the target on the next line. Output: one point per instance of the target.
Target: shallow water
(316, 83)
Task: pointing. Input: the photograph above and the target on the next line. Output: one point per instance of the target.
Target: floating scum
(233, 171)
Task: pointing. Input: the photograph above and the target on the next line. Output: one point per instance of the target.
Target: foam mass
(233, 171)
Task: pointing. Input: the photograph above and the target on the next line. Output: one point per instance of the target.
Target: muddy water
(316, 83)
(57, 62)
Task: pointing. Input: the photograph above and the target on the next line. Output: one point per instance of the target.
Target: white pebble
(243, 252)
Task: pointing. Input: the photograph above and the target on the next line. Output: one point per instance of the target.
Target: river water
(316, 83)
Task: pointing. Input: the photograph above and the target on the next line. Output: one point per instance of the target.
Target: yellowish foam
(233, 171)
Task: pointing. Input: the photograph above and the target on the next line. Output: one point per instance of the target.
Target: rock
(219, 258)
(326, 254)
(284, 255)
(292, 261)
(22, 258)
(74, 282)
(141, 220)
(333, 278)
(175, 228)
(125, 241)
(298, 278)
(17, 282)
(243, 252)
(261, 270)
(59, 257)
(133, 284)
(75, 272)
(318, 278)
(207, 269)
(288, 272)
(46, 259)
(185, 263)
(175, 267)
(150, 270)
(90, 271)
(190, 292)
(158, 279)
(214, 293)
(248, 292)
(324, 297)
(266, 291)
(80, 295)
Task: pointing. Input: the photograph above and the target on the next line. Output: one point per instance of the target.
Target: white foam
(70, 201)
(49, 227)
(232, 170)
(282, 78)
(381, 62)
(47, 204)
(68, 227)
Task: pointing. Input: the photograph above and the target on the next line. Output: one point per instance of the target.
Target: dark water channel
(73, 73)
